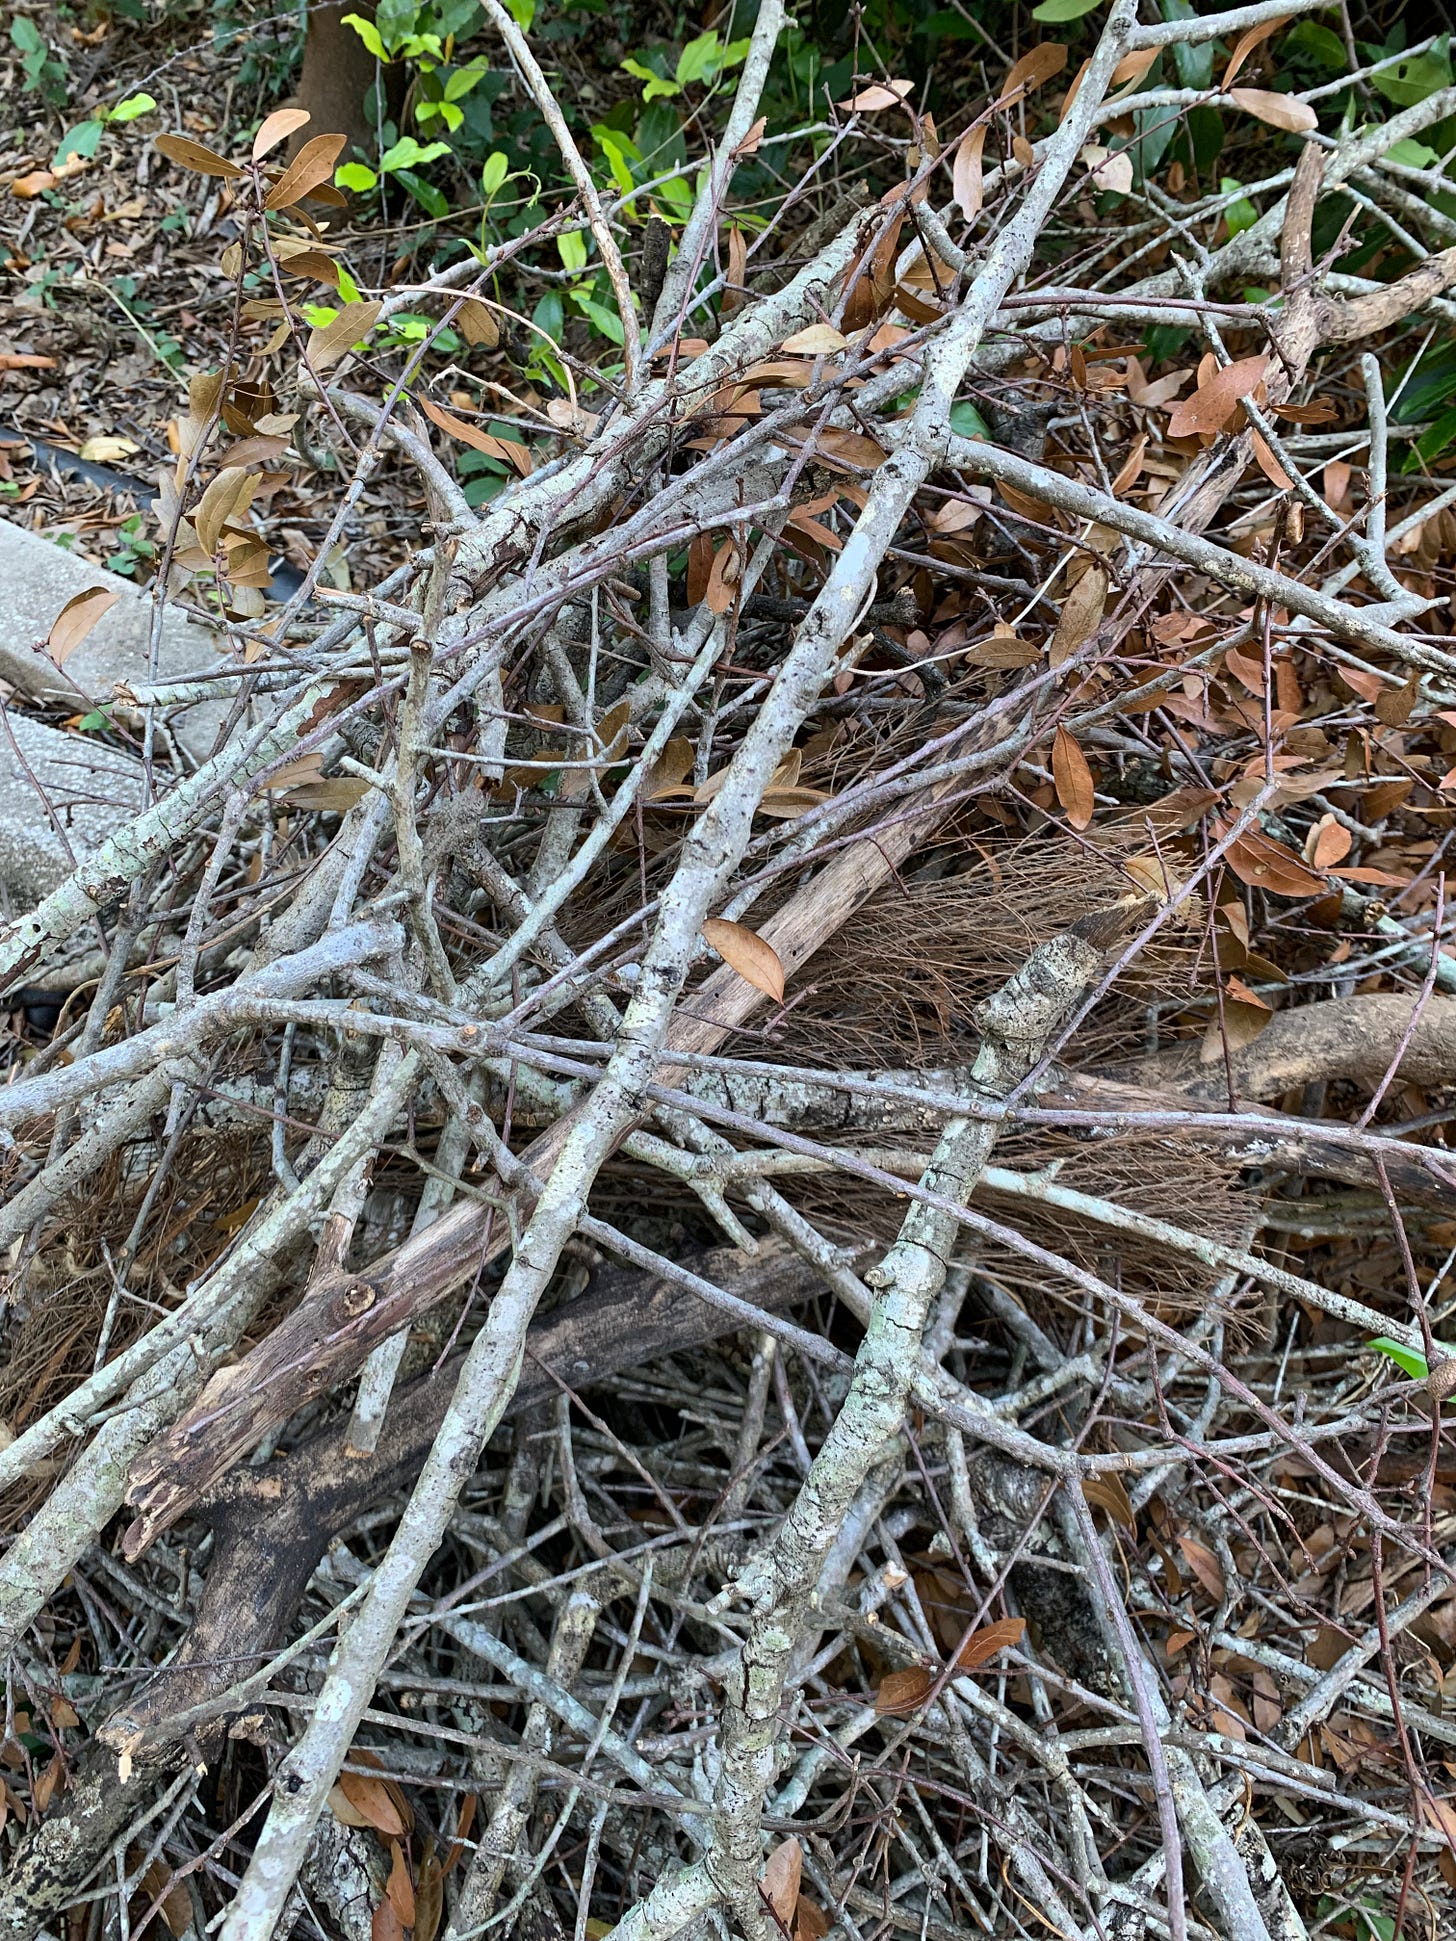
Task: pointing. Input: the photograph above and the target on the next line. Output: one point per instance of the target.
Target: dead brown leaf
(331, 341)
(276, 128)
(902, 1692)
(386, 1924)
(1205, 1566)
(1107, 1493)
(505, 449)
(202, 160)
(311, 169)
(723, 580)
(399, 1887)
(1035, 68)
(1277, 110)
(225, 500)
(76, 619)
(481, 329)
(1264, 864)
(1214, 402)
(756, 961)
(1251, 38)
(782, 1872)
(359, 1799)
(983, 1645)
(1073, 780)
(872, 99)
(1081, 615)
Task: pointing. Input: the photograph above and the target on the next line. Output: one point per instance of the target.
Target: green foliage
(134, 550)
(402, 159)
(128, 290)
(966, 421)
(85, 138)
(701, 63)
(423, 37)
(1063, 9)
(1156, 130)
(1205, 137)
(1165, 341)
(1411, 154)
(408, 30)
(1432, 442)
(407, 153)
(1413, 79)
(43, 71)
(128, 110)
(1414, 1364)
(1319, 43)
(1240, 214)
(1194, 64)
(1430, 384)
(439, 99)
(406, 330)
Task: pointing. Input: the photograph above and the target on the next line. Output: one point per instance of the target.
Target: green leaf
(523, 12)
(493, 175)
(348, 288)
(354, 175)
(1318, 42)
(407, 153)
(1414, 1364)
(134, 105)
(700, 60)
(1412, 80)
(1241, 214)
(1194, 64)
(966, 421)
(396, 19)
(26, 35)
(606, 321)
(655, 84)
(432, 200)
(481, 490)
(1429, 385)
(1432, 442)
(465, 78)
(620, 152)
(83, 139)
(678, 197)
(572, 247)
(1063, 9)
(469, 463)
(454, 18)
(90, 723)
(1411, 154)
(549, 315)
(1156, 130)
(368, 33)
(1205, 137)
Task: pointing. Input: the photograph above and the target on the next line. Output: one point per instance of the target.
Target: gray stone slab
(36, 580)
(61, 796)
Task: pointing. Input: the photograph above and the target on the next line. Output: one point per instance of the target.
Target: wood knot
(354, 1297)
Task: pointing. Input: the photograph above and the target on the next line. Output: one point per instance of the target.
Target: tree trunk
(338, 72)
